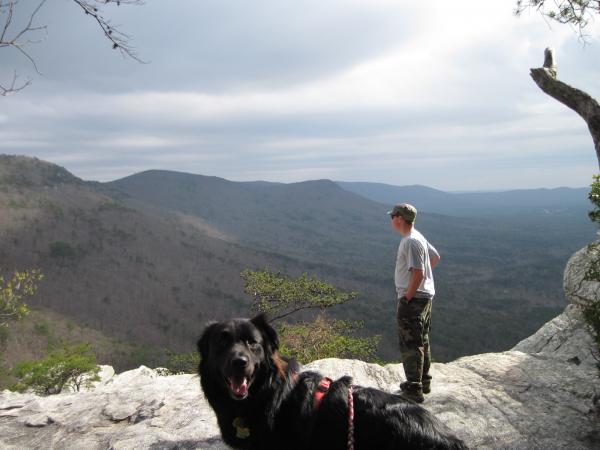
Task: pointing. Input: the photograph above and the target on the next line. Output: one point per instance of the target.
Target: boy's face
(400, 225)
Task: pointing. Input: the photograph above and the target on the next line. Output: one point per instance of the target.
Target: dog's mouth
(238, 387)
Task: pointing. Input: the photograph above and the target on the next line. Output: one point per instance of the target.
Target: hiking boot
(426, 386)
(411, 392)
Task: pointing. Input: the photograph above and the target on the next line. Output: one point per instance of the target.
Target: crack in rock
(10, 407)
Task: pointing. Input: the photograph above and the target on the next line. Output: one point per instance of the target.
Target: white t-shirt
(415, 251)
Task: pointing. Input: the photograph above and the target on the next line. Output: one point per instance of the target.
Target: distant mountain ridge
(523, 201)
(292, 219)
(23, 171)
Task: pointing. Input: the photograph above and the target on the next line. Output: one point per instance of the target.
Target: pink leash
(350, 419)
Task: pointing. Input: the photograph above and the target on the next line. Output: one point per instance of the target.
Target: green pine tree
(70, 367)
(279, 297)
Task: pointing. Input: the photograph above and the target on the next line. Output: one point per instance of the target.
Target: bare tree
(119, 40)
(18, 40)
(578, 13)
(580, 102)
(30, 33)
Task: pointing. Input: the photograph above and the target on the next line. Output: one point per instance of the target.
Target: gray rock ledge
(537, 396)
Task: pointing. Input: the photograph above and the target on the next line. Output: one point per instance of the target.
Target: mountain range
(149, 258)
(544, 202)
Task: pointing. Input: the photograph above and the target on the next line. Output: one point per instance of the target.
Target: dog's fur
(273, 405)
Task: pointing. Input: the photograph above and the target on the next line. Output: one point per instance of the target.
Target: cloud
(291, 90)
(217, 45)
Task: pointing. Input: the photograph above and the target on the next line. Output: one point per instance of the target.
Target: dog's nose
(240, 362)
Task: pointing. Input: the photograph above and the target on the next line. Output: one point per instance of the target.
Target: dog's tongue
(240, 389)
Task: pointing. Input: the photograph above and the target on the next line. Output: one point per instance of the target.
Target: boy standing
(415, 288)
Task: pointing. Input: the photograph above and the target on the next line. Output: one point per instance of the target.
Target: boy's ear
(268, 332)
(203, 343)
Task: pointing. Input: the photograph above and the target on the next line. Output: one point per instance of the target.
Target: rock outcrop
(577, 289)
(138, 409)
(542, 394)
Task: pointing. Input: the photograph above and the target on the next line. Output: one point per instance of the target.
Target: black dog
(263, 402)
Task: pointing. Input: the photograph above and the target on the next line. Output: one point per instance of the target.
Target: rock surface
(578, 290)
(537, 396)
(137, 409)
(564, 338)
(543, 394)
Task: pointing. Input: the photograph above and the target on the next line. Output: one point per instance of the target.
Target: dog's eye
(251, 343)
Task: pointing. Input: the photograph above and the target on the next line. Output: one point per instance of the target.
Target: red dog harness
(321, 391)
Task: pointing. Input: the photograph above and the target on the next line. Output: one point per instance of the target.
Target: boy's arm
(416, 279)
(434, 256)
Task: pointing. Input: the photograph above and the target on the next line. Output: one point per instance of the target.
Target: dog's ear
(203, 343)
(268, 332)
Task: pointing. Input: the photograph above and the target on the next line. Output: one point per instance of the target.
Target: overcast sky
(394, 91)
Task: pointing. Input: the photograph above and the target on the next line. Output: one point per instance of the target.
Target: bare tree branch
(29, 33)
(580, 102)
(13, 86)
(18, 42)
(577, 13)
(119, 40)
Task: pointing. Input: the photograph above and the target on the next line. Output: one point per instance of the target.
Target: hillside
(147, 279)
(32, 337)
(517, 264)
(313, 220)
(149, 258)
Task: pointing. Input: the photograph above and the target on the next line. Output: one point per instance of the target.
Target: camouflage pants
(414, 323)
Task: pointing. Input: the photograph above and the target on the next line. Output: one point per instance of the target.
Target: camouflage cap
(404, 210)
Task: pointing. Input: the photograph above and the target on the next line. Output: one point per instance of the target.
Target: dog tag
(241, 431)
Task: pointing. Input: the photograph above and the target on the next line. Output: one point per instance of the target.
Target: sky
(436, 93)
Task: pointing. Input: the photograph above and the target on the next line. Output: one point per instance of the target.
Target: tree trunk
(580, 102)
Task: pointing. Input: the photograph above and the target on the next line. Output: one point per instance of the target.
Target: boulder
(566, 338)
(578, 290)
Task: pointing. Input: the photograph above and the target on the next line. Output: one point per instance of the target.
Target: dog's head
(232, 353)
